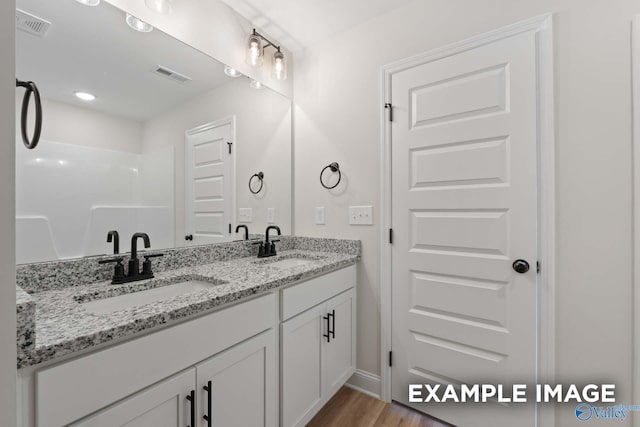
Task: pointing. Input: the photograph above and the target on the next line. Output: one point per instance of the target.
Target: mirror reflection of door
(209, 172)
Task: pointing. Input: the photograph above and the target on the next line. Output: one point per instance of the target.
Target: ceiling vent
(170, 74)
(31, 23)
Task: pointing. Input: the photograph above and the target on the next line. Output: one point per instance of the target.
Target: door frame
(228, 120)
(542, 26)
(635, 127)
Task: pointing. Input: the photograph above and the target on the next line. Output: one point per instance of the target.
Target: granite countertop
(63, 326)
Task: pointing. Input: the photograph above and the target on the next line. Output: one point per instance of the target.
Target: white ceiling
(297, 24)
(92, 49)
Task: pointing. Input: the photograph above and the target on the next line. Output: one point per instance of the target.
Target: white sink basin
(122, 302)
(290, 262)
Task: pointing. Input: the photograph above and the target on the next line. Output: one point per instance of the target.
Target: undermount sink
(129, 300)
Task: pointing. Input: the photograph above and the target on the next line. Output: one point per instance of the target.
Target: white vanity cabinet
(238, 387)
(272, 360)
(318, 352)
(217, 347)
(162, 405)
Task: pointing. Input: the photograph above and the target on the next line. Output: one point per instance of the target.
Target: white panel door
(244, 385)
(464, 208)
(209, 184)
(340, 348)
(303, 379)
(162, 405)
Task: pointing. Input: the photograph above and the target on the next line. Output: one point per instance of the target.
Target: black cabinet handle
(192, 398)
(207, 416)
(333, 324)
(328, 334)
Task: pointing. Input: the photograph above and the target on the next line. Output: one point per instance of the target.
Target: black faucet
(134, 273)
(134, 262)
(114, 237)
(246, 231)
(269, 247)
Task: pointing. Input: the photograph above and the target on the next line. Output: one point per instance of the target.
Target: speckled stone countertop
(63, 326)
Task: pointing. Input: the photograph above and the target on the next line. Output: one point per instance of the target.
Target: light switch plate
(320, 215)
(245, 215)
(361, 215)
(271, 215)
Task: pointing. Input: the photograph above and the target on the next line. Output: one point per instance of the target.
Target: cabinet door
(302, 380)
(162, 405)
(340, 351)
(243, 385)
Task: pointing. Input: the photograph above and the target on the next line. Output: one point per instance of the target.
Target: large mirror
(141, 133)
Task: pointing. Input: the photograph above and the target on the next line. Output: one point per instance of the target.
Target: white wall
(263, 143)
(213, 28)
(81, 126)
(337, 119)
(7, 217)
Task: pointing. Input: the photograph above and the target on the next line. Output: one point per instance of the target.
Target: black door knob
(521, 266)
(188, 237)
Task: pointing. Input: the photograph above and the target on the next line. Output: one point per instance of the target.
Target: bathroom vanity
(267, 343)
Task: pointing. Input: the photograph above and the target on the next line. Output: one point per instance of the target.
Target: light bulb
(279, 71)
(254, 84)
(138, 24)
(254, 51)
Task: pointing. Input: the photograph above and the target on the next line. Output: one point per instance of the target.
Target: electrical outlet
(320, 216)
(245, 215)
(271, 215)
(361, 215)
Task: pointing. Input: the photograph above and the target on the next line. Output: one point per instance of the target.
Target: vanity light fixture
(255, 55)
(85, 96)
(138, 24)
(231, 72)
(164, 7)
(254, 84)
(89, 2)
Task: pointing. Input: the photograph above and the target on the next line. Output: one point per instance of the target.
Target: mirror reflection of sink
(290, 261)
(125, 301)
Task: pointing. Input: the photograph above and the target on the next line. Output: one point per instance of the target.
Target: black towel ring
(335, 167)
(31, 88)
(260, 177)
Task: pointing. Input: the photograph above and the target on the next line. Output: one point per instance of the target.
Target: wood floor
(350, 408)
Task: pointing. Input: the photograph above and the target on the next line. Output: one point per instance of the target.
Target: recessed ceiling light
(89, 2)
(85, 96)
(231, 72)
(254, 84)
(160, 6)
(138, 24)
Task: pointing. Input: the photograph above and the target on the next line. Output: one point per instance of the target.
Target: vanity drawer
(74, 389)
(300, 297)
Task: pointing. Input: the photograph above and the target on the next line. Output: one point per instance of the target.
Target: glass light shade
(279, 66)
(254, 84)
(161, 6)
(254, 51)
(231, 72)
(89, 2)
(138, 24)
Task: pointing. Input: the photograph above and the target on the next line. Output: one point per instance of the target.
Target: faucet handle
(110, 260)
(118, 270)
(152, 256)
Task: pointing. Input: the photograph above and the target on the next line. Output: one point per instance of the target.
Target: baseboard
(365, 382)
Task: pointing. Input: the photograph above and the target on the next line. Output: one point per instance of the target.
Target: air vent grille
(31, 23)
(170, 74)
